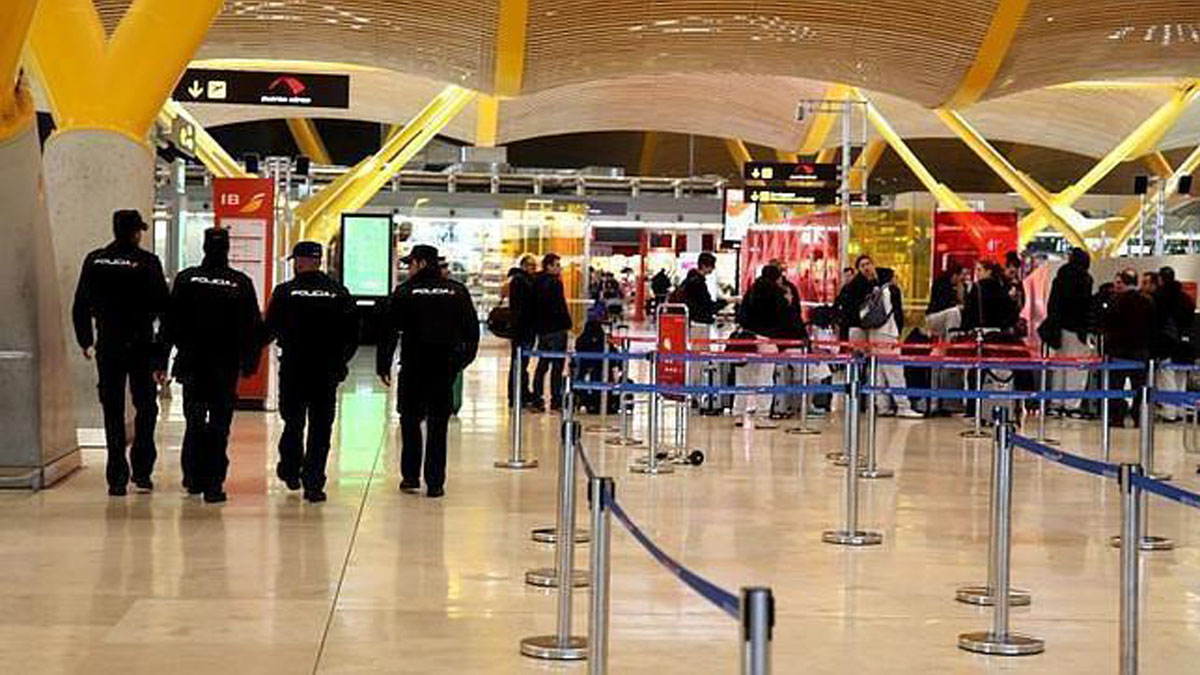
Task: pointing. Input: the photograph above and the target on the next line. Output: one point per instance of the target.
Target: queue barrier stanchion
(976, 432)
(563, 576)
(1000, 640)
(850, 419)
(601, 492)
(1131, 531)
(1043, 387)
(652, 467)
(803, 428)
(515, 458)
(871, 470)
(1105, 413)
(603, 425)
(1147, 420)
(985, 596)
(627, 402)
(758, 628)
(850, 534)
(1147, 542)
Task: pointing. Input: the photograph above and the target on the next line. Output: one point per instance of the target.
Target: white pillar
(89, 175)
(38, 445)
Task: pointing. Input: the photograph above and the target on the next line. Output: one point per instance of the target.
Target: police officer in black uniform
(439, 332)
(122, 287)
(214, 322)
(312, 319)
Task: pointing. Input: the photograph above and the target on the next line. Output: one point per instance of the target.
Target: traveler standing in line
(1176, 313)
(762, 315)
(1068, 320)
(121, 287)
(312, 319)
(794, 330)
(853, 296)
(702, 310)
(885, 340)
(944, 313)
(435, 322)
(214, 323)
(1127, 334)
(552, 321)
(524, 310)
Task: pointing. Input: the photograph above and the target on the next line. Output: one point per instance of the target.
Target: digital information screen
(367, 255)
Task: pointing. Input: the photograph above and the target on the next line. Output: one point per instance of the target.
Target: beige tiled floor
(377, 581)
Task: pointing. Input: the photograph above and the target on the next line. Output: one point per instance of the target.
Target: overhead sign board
(254, 87)
(815, 196)
(183, 136)
(790, 172)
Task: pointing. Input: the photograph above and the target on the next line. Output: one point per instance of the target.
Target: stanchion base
(550, 648)
(843, 461)
(547, 577)
(802, 431)
(602, 429)
(625, 442)
(836, 457)
(1161, 475)
(858, 538)
(1012, 644)
(549, 535)
(517, 464)
(982, 596)
(1148, 543)
(1050, 441)
(646, 469)
(974, 435)
(874, 474)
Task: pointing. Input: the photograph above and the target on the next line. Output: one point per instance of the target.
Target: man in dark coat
(1176, 315)
(524, 312)
(437, 326)
(122, 289)
(1128, 330)
(552, 324)
(1068, 320)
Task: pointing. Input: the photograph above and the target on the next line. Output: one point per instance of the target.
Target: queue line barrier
(755, 609)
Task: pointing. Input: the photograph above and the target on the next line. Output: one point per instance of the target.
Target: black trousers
(426, 396)
(526, 344)
(306, 399)
(208, 400)
(1120, 407)
(116, 366)
(551, 342)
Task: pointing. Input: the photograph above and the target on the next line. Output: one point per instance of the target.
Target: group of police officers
(128, 320)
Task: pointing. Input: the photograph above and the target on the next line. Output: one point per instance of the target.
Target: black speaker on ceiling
(1185, 184)
(251, 161)
(1141, 185)
(303, 165)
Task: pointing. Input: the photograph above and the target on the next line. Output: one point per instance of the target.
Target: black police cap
(421, 252)
(307, 249)
(127, 221)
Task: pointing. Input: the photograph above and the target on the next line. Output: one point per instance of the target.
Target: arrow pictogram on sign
(196, 89)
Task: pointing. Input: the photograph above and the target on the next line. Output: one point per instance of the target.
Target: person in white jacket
(885, 342)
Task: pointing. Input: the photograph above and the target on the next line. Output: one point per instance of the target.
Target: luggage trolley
(672, 323)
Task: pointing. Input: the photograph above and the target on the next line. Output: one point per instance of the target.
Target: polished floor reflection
(379, 581)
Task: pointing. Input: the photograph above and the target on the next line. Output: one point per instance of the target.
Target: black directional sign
(790, 172)
(252, 87)
(816, 196)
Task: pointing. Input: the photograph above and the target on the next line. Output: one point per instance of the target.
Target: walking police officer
(439, 337)
(214, 322)
(122, 287)
(312, 319)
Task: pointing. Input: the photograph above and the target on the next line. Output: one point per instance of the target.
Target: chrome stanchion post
(983, 595)
(1043, 387)
(564, 526)
(601, 491)
(515, 460)
(1131, 522)
(562, 646)
(1146, 425)
(1105, 411)
(850, 535)
(1148, 541)
(803, 429)
(871, 470)
(626, 400)
(651, 466)
(976, 431)
(849, 421)
(1000, 641)
(603, 426)
(758, 629)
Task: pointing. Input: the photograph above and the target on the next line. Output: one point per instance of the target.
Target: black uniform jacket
(312, 319)
(121, 287)
(214, 322)
(435, 320)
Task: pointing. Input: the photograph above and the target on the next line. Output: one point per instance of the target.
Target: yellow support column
(649, 149)
(308, 139)
(945, 197)
(1034, 195)
(208, 151)
(1131, 214)
(991, 54)
(487, 121)
(866, 162)
(738, 152)
(16, 109)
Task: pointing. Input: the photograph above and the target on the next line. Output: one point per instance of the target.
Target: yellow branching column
(36, 412)
(105, 95)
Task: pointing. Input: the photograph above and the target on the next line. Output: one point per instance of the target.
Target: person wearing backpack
(882, 317)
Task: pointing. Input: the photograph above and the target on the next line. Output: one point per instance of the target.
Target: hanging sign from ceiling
(253, 87)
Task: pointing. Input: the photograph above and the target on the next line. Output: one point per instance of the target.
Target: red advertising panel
(808, 248)
(968, 236)
(672, 339)
(246, 207)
